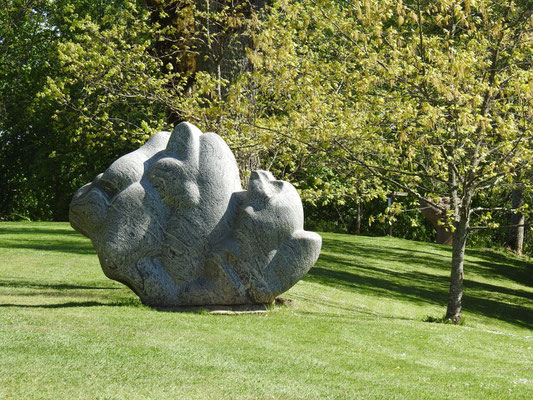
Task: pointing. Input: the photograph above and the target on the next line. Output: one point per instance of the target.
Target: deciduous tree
(430, 97)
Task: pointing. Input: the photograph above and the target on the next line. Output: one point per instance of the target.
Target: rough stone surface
(171, 221)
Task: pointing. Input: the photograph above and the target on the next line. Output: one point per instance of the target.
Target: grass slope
(356, 330)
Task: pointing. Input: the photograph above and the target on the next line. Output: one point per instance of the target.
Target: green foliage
(375, 219)
(24, 45)
(351, 101)
(399, 94)
(95, 80)
(51, 142)
(431, 98)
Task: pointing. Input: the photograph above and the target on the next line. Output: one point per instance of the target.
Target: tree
(201, 36)
(80, 84)
(430, 97)
(26, 40)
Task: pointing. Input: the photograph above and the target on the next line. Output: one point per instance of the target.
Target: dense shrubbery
(349, 103)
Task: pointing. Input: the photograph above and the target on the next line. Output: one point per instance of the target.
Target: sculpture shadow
(62, 290)
(335, 268)
(70, 304)
(51, 286)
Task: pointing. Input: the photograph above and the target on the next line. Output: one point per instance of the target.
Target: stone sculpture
(171, 221)
(437, 218)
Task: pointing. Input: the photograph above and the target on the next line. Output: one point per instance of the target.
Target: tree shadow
(369, 241)
(36, 230)
(410, 256)
(492, 264)
(44, 239)
(495, 264)
(390, 285)
(495, 301)
(61, 246)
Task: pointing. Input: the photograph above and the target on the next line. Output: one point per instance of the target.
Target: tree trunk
(390, 200)
(516, 235)
(455, 305)
(177, 45)
(358, 219)
(456, 279)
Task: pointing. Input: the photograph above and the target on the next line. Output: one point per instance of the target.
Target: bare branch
(498, 227)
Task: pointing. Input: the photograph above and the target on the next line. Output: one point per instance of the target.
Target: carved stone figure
(437, 219)
(171, 221)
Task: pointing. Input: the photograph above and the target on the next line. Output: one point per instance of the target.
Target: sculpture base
(223, 310)
(231, 310)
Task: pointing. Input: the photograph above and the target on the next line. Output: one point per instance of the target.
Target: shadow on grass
(495, 301)
(344, 264)
(44, 239)
(61, 246)
(493, 264)
(31, 230)
(72, 304)
(52, 286)
(487, 263)
(385, 252)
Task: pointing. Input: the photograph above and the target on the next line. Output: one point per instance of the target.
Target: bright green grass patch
(356, 330)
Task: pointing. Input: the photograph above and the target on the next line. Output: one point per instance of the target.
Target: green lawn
(356, 329)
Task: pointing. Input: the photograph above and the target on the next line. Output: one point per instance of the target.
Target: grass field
(356, 329)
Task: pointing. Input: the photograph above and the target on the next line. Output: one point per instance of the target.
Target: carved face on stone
(272, 212)
(119, 212)
(156, 214)
(154, 201)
